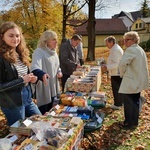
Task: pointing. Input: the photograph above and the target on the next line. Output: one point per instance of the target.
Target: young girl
(15, 79)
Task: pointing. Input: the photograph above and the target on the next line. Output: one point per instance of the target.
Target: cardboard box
(85, 85)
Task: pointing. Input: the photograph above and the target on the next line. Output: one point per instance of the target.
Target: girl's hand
(27, 77)
(33, 79)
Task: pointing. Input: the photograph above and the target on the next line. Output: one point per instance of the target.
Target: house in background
(103, 28)
(128, 18)
(142, 26)
(116, 26)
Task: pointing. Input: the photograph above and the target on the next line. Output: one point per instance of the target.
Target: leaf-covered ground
(112, 137)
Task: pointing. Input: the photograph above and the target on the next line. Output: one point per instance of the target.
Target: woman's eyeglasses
(126, 40)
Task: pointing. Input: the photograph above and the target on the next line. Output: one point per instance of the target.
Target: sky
(122, 5)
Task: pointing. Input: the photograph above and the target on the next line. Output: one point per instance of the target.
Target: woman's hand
(33, 79)
(59, 75)
(45, 78)
(78, 66)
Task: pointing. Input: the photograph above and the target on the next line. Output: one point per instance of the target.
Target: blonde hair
(45, 37)
(133, 35)
(7, 52)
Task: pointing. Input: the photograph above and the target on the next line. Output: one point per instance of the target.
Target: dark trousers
(45, 108)
(63, 80)
(115, 83)
(81, 62)
(131, 108)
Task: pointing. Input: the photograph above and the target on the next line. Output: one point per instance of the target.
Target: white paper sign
(27, 122)
(99, 120)
(53, 113)
(57, 106)
(70, 132)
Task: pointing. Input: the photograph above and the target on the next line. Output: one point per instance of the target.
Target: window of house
(136, 25)
(140, 25)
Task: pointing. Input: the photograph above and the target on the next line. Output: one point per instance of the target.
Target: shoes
(127, 126)
(115, 107)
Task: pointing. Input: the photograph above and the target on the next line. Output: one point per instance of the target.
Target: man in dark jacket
(68, 56)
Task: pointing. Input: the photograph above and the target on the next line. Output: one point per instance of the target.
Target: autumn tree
(35, 16)
(91, 31)
(71, 11)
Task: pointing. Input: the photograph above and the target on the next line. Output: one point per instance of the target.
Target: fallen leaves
(140, 147)
(111, 136)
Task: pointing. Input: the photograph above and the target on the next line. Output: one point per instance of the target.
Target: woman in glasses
(133, 69)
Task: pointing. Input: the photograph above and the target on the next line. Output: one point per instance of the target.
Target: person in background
(15, 91)
(68, 56)
(133, 69)
(45, 65)
(113, 60)
(80, 52)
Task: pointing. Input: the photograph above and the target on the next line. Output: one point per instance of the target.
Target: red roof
(104, 26)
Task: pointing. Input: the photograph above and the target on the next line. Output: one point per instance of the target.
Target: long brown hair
(7, 52)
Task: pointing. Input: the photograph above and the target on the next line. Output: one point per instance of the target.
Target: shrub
(148, 46)
(145, 45)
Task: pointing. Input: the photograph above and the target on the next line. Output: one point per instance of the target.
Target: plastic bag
(40, 128)
(44, 131)
(56, 137)
(5, 144)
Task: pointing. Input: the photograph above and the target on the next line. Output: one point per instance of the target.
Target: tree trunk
(91, 32)
(64, 20)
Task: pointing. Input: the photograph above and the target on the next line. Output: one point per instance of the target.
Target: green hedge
(145, 45)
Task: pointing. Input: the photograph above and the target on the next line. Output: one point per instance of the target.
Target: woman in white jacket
(133, 69)
(113, 60)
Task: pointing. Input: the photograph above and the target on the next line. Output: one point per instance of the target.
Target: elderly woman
(113, 60)
(133, 69)
(45, 65)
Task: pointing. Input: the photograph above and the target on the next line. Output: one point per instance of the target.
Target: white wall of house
(128, 23)
(99, 40)
(144, 37)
